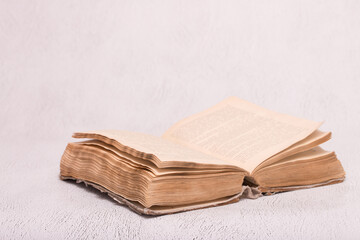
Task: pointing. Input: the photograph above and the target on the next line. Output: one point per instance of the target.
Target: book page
(311, 154)
(314, 139)
(240, 133)
(162, 152)
(100, 146)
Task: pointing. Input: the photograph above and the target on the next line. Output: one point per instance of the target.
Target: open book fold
(233, 150)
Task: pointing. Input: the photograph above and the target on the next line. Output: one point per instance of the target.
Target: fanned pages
(233, 150)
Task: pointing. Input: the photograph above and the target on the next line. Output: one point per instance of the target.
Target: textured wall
(142, 65)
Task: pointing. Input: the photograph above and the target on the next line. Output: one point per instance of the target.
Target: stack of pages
(233, 150)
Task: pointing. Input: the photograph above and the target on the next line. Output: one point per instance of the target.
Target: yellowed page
(312, 154)
(240, 133)
(314, 139)
(162, 152)
(141, 163)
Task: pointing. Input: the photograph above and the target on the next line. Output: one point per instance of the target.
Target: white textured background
(67, 66)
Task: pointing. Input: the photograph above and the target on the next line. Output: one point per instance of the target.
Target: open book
(234, 149)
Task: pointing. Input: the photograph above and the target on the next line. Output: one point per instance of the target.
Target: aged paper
(166, 153)
(137, 162)
(314, 139)
(240, 133)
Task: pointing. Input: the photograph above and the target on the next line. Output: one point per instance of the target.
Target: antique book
(232, 150)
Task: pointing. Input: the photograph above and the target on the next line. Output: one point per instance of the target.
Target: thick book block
(231, 151)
